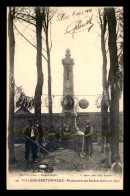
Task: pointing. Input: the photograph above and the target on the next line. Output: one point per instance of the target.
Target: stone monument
(68, 105)
(68, 90)
(68, 86)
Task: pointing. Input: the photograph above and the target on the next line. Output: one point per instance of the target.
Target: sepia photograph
(65, 83)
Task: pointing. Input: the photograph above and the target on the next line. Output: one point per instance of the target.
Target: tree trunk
(114, 108)
(104, 107)
(104, 115)
(38, 90)
(49, 75)
(11, 93)
(114, 124)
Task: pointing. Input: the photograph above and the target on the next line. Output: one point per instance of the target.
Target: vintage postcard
(65, 98)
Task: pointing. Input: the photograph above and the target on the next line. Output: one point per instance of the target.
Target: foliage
(120, 37)
(103, 99)
(68, 102)
(22, 101)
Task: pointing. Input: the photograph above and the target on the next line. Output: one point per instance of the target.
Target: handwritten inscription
(82, 12)
(79, 25)
(61, 16)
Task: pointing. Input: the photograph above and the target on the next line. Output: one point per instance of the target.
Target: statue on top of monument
(67, 60)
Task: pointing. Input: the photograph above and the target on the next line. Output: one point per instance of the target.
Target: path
(62, 160)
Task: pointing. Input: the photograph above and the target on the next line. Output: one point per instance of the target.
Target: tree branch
(28, 41)
(23, 14)
(17, 17)
(44, 49)
(47, 19)
(43, 39)
(52, 16)
(44, 28)
(50, 37)
(29, 28)
(120, 52)
(44, 19)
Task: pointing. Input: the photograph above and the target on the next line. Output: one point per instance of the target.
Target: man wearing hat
(88, 138)
(31, 135)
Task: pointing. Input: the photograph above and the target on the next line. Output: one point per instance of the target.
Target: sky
(85, 49)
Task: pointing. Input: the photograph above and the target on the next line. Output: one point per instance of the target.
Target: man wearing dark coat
(88, 139)
(31, 135)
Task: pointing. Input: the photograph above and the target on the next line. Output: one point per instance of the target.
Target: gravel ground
(61, 160)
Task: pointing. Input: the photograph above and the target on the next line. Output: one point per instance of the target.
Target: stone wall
(21, 121)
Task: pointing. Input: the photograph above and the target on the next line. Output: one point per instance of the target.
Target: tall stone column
(68, 88)
(68, 85)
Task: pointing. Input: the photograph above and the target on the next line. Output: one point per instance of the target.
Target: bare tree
(114, 19)
(44, 17)
(104, 102)
(48, 14)
(38, 90)
(114, 82)
(11, 93)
